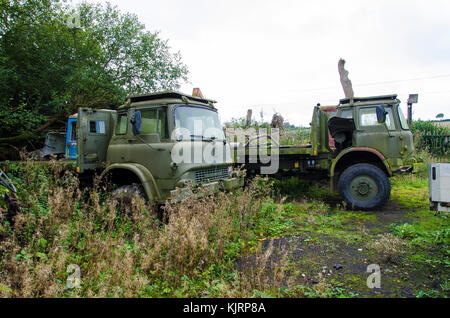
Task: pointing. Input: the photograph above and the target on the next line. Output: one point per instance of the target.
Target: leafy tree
(139, 60)
(48, 69)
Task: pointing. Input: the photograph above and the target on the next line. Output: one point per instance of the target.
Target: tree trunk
(345, 81)
(248, 121)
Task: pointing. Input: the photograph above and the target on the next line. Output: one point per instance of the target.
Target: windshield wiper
(202, 137)
(210, 139)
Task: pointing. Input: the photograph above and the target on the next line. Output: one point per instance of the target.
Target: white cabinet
(439, 174)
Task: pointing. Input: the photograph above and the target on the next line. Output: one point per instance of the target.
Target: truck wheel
(364, 186)
(124, 196)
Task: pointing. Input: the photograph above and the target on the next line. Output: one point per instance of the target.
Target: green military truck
(358, 145)
(138, 147)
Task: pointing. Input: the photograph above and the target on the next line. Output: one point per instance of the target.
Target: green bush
(417, 234)
(428, 137)
(292, 186)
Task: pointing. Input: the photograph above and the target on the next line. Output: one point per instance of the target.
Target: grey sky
(282, 55)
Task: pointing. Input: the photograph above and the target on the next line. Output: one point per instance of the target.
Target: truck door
(319, 132)
(71, 139)
(374, 135)
(94, 131)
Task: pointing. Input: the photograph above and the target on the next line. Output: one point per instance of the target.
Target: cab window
(368, 117)
(347, 113)
(73, 131)
(97, 127)
(121, 127)
(155, 121)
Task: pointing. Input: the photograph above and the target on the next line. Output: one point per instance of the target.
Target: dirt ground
(341, 260)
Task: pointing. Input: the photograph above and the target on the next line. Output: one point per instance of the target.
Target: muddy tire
(364, 187)
(125, 195)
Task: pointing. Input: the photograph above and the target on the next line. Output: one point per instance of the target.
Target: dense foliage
(50, 64)
(431, 137)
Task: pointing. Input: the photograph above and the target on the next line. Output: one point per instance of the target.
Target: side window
(155, 121)
(368, 117)
(390, 119)
(73, 131)
(347, 113)
(121, 127)
(331, 114)
(149, 121)
(97, 127)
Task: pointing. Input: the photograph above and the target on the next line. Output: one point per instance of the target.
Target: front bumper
(180, 194)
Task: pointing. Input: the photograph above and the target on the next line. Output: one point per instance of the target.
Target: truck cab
(373, 142)
(358, 126)
(161, 145)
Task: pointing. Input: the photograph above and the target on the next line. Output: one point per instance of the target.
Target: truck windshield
(197, 123)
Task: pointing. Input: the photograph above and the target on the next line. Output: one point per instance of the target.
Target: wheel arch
(351, 156)
(129, 173)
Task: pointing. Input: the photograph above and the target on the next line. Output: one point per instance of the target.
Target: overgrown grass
(194, 254)
(228, 245)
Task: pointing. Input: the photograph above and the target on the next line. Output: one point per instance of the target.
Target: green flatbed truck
(363, 143)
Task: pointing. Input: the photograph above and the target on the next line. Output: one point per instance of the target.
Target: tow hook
(404, 169)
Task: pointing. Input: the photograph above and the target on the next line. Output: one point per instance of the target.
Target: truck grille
(212, 174)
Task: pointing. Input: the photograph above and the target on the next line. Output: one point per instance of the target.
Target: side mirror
(136, 121)
(381, 114)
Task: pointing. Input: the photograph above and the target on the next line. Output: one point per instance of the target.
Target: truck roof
(168, 96)
(369, 100)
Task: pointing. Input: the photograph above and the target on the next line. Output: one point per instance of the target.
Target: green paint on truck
(143, 156)
(363, 143)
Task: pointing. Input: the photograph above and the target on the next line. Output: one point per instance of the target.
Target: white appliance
(439, 174)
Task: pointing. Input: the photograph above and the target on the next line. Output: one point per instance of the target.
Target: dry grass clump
(322, 288)
(262, 274)
(389, 248)
(72, 228)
